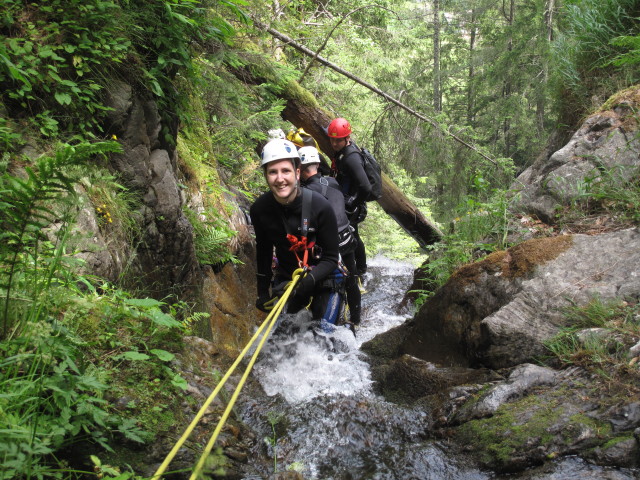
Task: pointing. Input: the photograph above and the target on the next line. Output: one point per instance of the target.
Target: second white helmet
(277, 149)
(309, 155)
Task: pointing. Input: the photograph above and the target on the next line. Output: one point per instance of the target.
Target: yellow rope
(279, 306)
(269, 320)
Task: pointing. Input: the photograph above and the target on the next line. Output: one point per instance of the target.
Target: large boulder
(605, 141)
(498, 312)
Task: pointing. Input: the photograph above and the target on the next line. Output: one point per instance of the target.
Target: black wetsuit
(355, 185)
(331, 190)
(272, 222)
(335, 197)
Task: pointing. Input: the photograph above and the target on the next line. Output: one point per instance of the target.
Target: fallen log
(394, 202)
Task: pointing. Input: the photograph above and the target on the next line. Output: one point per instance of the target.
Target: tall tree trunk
(437, 91)
(470, 81)
(541, 100)
(506, 92)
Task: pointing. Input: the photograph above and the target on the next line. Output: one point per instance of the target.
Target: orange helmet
(339, 128)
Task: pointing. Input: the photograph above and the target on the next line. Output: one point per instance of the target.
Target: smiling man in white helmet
(300, 226)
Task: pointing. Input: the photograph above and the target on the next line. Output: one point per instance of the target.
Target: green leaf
(162, 354)
(156, 88)
(179, 382)
(132, 355)
(161, 318)
(143, 302)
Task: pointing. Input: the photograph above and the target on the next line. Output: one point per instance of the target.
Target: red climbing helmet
(339, 128)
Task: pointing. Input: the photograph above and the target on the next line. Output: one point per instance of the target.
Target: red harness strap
(300, 245)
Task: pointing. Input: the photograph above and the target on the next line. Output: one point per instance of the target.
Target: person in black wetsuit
(347, 168)
(277, 220)
(330, 189)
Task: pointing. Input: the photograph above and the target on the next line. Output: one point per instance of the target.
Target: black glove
(305, 287)
(261, 301)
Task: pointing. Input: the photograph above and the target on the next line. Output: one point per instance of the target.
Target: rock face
(499, 312)
(163, 260)
(165, 257)
(607, 140)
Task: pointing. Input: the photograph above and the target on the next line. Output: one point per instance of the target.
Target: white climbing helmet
(308, 155)
(277, 149)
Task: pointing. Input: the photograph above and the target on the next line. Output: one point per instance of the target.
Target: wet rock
(387, 345)
(626, 417)
(240, 456)
(408, 378)
(521, 381)
(619, 452)
(288, 476)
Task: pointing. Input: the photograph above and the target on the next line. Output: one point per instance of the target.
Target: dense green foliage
(66, 337)
(491, 81)
(59, 57)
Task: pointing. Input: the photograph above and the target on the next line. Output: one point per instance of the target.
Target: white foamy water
(307, 365)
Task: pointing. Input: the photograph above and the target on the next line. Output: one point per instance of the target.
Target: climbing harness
(301, 244)
(266, 326)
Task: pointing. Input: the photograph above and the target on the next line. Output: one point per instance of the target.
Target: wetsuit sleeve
(359, 179)
(327, 238)
(264, 251)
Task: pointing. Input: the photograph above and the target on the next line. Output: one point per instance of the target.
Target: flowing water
(317, 413)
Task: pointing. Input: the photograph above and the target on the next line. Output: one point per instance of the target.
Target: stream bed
(316, 411)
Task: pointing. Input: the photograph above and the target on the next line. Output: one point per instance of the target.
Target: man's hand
(305, 286)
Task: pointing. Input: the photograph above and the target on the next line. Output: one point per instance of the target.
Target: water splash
(303, 364)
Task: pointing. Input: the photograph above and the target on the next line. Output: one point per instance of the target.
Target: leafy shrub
(212, 236)
(30, 206)
(58, 56)
(55, 57)
(50, 400)
(593, 37)
(63, 349)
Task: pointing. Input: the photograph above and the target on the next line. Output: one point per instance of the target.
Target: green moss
(530, 421)
(612, 442)
(301, 94)
(498, 438)
(579, 423)
(629, 96)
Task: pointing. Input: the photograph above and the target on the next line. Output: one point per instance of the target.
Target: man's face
(282, 178)
(338, 143)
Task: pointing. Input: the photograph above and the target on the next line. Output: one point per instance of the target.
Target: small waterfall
(318, 397)
(317, 412)
(304, 366)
